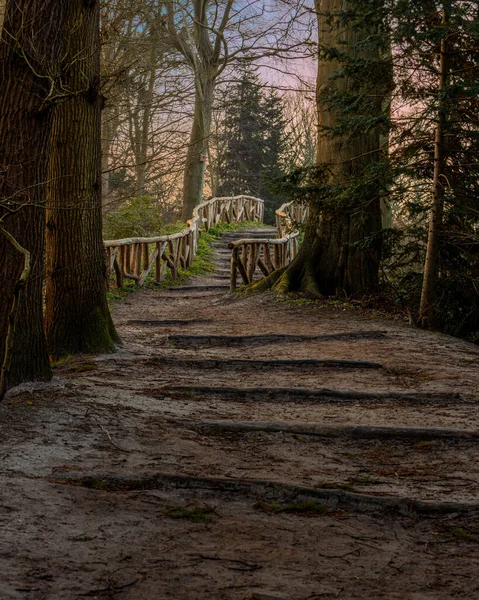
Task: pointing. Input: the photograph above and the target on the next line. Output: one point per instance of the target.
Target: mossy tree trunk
(77, 314)
(28, 61)
(336, 257)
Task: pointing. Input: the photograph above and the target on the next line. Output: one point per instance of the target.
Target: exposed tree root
(271, 338)
(344, 431)
(297, 277)
(170, 322)
(261, 286)
(260, 490)
(258, 365)
(292, 281)
(319, 395)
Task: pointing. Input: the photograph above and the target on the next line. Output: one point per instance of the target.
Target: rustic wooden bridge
(134, 258)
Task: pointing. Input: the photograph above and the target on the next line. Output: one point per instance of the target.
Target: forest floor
(193, 465)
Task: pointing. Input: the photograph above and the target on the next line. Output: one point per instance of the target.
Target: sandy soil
(116, 483)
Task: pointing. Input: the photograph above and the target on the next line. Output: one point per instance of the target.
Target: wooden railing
(268, 254)
(289, 215)
(134, 258)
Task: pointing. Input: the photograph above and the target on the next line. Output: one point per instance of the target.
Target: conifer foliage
(434, 150)
(253, 138)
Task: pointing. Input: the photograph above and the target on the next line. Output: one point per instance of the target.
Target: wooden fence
(290, 214)
(134, 258)
(268, 254)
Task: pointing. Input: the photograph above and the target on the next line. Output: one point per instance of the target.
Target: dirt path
(246, 449)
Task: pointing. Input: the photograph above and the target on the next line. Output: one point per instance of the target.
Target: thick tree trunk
(330, 261)
(197, 149)
(431, 265)
(77, 314)
(27, 56)
(12, 317)
(2, 15)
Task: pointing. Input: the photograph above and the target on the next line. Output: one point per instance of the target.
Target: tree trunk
(431, 265)
(25, 122)
(197, 149)
(330, 262)
(2, 15)
(77, 314)
(109, 125)
(110, 117)
(147, 100)
(143, 139)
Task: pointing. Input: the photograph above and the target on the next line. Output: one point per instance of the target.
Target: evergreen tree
(241, 169)
(435, 156)
(253, 137)
(274, 149)
(408, 72)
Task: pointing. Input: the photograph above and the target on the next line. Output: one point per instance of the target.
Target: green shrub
(137, 218)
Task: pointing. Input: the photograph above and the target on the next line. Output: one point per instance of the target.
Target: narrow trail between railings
(247, 448)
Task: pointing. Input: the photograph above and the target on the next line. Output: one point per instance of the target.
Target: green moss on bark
(99, 334)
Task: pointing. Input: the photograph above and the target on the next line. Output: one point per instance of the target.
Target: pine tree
(253, 137)
(410, 72)
(241, 168)
(434, 160)
(274, 149)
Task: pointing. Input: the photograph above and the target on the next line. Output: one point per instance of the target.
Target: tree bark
(77, 316)
(329, 261)
(28, 58)
(198, 146)
(431, 265)
(109, 127)
(12, 317)
(2, 15)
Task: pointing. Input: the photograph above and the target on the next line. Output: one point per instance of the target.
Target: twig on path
(357, 552)
(110, 439)
(242, 565)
